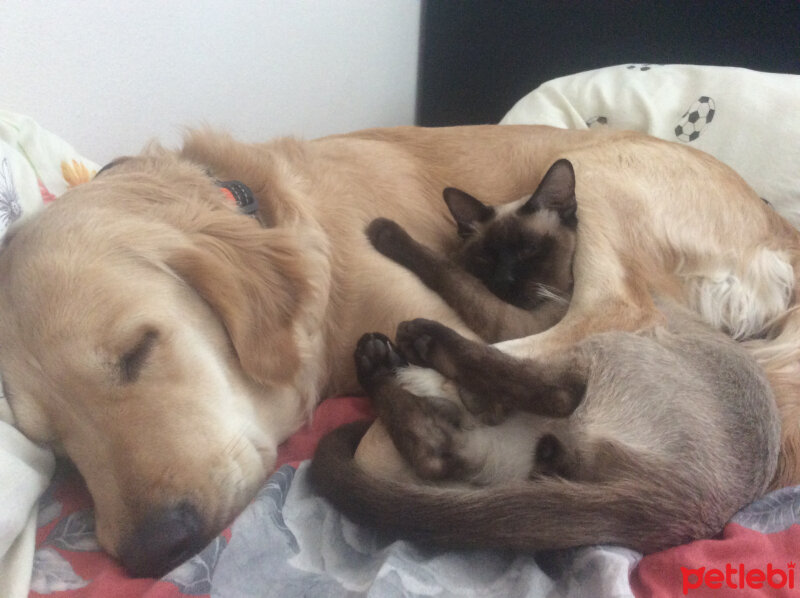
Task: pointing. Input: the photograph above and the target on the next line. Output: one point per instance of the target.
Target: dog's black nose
(162, 541)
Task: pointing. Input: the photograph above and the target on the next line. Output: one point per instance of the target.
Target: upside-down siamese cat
(646, 439)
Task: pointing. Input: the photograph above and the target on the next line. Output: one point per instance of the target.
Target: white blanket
(25, 471)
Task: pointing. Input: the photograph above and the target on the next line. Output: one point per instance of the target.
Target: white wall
(109, 75)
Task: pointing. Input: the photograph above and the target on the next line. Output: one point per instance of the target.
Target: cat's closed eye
(535, 249)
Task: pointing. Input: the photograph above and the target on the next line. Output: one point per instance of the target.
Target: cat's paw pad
(376, 357)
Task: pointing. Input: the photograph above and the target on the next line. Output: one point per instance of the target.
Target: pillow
(36, 166)
(747, 119)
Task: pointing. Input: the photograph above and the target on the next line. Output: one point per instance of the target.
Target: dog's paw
(376, 359)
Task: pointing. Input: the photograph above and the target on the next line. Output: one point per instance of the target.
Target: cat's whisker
(549, 293)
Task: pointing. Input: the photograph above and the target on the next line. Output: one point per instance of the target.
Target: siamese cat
(521, 252)
(646, 440)
(510, 277)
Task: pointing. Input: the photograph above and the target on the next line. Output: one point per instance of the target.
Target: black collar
(239, 193)
(235, 191)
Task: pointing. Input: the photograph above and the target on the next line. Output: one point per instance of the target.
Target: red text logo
(737, 577)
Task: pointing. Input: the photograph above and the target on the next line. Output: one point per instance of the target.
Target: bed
(565, 64)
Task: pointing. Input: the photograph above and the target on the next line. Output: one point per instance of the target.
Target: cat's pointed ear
(467, 211)
(556, 192)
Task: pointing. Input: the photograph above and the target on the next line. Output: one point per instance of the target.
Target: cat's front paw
(388, 237)
(377, 359)
(417, 340)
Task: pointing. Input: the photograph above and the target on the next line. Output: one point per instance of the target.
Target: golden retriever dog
(167, 344)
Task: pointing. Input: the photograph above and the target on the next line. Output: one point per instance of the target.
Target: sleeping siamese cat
(646, 439)
(520, 252)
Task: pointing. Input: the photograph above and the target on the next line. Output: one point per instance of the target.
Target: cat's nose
(502, 280)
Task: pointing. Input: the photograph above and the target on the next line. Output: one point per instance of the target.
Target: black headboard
(478, 57)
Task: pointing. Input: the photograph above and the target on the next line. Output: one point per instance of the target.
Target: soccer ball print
(597, 121)
(695, 119)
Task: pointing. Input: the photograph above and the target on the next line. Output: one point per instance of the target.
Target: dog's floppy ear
(556, 192)
(253, 280)
(467, 211)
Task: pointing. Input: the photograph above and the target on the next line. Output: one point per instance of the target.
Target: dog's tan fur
(254, 324)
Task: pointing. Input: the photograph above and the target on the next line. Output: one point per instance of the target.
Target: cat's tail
(549, 513)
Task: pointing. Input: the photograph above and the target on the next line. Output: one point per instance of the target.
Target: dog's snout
(162, 541)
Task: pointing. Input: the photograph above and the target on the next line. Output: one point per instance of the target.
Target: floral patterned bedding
(289, 543)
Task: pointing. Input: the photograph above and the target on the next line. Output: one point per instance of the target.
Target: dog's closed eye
(130, 364)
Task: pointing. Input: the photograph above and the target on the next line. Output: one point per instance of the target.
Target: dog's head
(146, 329)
